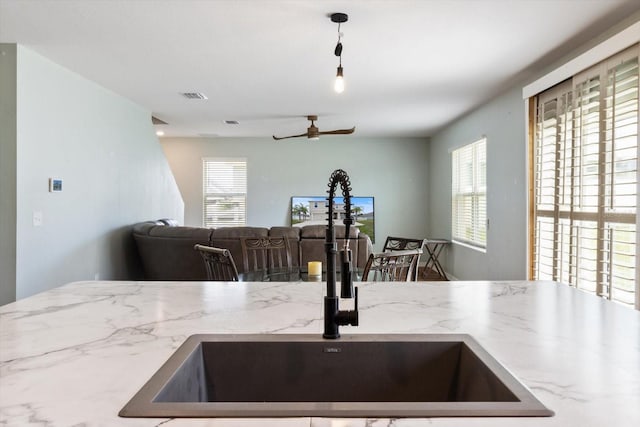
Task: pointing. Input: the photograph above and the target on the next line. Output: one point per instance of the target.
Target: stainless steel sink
(355, 376)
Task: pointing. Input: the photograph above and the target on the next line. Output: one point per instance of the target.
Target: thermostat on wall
(55, 185)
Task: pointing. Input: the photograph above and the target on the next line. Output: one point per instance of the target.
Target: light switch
(37, 218)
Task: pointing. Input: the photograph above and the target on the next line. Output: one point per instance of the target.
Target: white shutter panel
(620, 122)
(552, 151)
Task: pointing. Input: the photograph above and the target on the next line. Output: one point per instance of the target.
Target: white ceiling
(411, 66)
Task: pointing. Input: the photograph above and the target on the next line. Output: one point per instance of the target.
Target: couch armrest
(167, 251)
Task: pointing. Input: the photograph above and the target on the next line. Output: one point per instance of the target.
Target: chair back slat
(394, 266)
(404, 243)
(219, 263)
(266, 253)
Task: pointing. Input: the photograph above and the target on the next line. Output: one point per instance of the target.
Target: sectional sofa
(166, 249)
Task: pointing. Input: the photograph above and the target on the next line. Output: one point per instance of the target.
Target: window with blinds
(225, 192)
(586, 181)
(469, 194)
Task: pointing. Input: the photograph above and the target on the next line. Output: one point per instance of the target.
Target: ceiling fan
(314, 133)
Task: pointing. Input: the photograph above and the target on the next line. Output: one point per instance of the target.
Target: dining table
(293, 274)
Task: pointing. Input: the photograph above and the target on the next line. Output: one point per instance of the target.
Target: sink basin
(422, 375)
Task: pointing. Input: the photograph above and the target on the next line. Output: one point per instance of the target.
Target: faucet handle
(346, 281)
(354, 314)
(346, 317)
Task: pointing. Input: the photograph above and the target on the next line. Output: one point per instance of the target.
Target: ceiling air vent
(194, 95)
(157, 121)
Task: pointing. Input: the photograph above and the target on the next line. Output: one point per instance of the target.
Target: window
(225, 192)
(469, 194)
(586, 180)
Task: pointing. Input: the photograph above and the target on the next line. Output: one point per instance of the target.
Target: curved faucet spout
(333, 316)
(337, 177)
(340, 177)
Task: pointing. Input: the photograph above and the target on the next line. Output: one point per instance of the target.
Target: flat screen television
(308, 210)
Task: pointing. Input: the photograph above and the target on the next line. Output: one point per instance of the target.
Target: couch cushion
(290, 232)
(201, 234)
(235, 232)
(319, 232)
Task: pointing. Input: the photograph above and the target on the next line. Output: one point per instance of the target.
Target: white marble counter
(75, 355)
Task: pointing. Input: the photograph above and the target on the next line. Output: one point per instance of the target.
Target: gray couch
(166, 250)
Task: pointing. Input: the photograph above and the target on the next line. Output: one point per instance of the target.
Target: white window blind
(469, 194)
(225, 192)
(586, 181)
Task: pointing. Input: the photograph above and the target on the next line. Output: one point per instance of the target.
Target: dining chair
(394, 266)
(266, 253)
(403, 243)
(219, 263)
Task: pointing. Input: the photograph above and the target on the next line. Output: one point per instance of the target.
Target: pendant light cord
(339, 40)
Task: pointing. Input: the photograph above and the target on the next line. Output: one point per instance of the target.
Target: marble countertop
(73, 356)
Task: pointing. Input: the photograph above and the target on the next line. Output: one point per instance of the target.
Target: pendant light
(339, 18)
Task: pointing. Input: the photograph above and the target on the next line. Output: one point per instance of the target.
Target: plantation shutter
(617, 280)
(225, 192)
(553, 128)
(586, 180)
(469, 194)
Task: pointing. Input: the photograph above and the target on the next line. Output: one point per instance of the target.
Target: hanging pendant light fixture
(339, 18)
(338, 86)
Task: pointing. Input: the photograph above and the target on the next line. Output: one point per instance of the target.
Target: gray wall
(7, 173)
(114, 172)
(394, 171)
(503, 123)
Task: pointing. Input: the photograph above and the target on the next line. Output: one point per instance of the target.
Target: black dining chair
(394, 266)
(266, 253)
(404, 243)
(219, 263)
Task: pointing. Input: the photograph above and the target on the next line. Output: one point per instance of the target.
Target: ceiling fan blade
(291, 136)
(338, 131)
